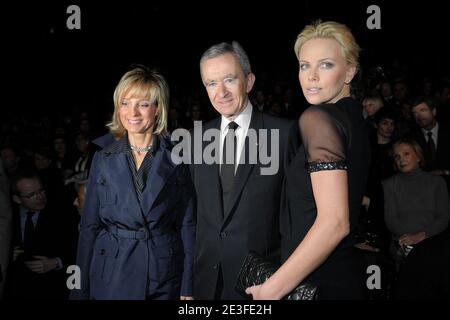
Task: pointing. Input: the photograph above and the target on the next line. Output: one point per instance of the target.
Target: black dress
(334, 136)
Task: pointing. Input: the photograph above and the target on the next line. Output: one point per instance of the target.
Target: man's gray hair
(234, 48)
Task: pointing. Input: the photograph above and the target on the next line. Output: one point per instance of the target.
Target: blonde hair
(331, 30)
(141, 81)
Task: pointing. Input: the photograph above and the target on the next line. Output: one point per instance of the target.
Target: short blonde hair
(331, 30)
(141, 81)
(376, 99)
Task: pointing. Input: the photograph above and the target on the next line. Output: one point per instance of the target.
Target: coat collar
(162, 167)
(111, 145)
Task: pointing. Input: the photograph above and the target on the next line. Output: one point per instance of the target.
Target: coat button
(223, 235)
(216, 266)
(102, 252)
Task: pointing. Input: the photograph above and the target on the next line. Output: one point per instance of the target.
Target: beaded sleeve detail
(320, 166)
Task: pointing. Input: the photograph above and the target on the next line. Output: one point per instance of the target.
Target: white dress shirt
(243, 120)
(434, 135)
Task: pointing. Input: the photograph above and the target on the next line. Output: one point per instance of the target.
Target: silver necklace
(140, 149)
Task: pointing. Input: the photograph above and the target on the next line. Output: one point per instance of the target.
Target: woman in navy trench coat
(138, 227)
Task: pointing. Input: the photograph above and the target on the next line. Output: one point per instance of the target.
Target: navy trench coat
(132, 250)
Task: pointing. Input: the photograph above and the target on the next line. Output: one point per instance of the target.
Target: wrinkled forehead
(26, 185)
(421, 107)
(220, 66)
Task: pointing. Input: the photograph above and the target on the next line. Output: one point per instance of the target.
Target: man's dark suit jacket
(442, 150)
(55, 235)
(252, 220)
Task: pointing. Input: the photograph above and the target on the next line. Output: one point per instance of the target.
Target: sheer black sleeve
(324, 139)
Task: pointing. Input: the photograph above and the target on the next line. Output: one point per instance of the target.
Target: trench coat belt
(141, 234)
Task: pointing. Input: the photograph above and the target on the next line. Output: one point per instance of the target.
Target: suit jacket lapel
(244, 170)
(210, 174)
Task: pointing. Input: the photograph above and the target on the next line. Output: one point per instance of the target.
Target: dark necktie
(431, 148)
(28, 233)
(227, 169)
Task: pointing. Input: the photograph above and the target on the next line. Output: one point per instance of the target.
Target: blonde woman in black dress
(326, 179)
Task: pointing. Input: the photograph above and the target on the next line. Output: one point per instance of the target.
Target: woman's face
(82, 143)
(324, 71)
(137, 114)
(371, 107)
(60, 146)
(386, 127)
(405, 158)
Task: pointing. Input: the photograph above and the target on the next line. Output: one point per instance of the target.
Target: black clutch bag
(256, 270)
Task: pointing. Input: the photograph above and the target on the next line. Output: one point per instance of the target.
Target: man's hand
(17, 252)
(186, 298)
(409, 239)
(366, 202)
(440, 172)
(42, 264)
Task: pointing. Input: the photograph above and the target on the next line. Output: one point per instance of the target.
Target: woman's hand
(411, 238)
(186, 298)
(260, 292)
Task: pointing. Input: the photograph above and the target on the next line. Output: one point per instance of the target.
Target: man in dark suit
(237, 200)
(433, 137)
(44, 240)
(425, 274)
(5, 227)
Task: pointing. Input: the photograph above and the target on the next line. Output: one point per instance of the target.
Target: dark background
(54, 68)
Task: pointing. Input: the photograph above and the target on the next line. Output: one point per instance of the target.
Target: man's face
(79, 201)
(41, 162)
(226, 84)
(424, 116)
(60, 146)
(9, 158)
(31, 194)
(400, 91)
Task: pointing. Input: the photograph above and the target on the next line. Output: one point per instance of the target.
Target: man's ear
(250, 82)
(16, 199)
